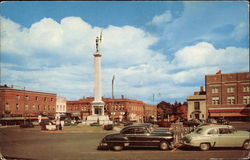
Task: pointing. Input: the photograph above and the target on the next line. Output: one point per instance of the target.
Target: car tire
(246, 145)
(204, 146)
(117, 148)
(164, 145)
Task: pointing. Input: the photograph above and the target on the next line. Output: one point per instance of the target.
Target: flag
(219, 72)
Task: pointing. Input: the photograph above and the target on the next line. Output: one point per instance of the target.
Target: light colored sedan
(206, 137)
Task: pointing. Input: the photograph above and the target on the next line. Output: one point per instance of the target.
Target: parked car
(222, 121)
(108, 127)
(192, 123)
(164, 124)
(27, 124)
(136, 136)
(206, 137)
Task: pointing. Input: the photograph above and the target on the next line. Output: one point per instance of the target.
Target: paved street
(64, 145)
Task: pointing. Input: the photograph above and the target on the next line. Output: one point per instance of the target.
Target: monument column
(97, 106)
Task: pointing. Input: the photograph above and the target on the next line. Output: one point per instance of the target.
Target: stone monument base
(102, 119)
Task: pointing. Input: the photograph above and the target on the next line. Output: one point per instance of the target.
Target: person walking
(62, 124)
(57, 124)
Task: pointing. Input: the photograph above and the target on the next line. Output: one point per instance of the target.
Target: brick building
(150, 113)
(117, 109)
(228, 95)
(197, 108)
(25, 103)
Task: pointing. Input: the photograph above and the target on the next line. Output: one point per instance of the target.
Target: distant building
(197, 108)
(150, 113)
(228, 95)
(61, 103)
(22, 103)
(116, 109)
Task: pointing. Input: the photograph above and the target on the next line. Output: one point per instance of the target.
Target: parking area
(79, 143)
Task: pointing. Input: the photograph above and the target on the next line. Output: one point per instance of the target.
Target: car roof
(216, 126)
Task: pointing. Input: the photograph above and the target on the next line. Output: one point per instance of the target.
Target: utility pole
(113, 81)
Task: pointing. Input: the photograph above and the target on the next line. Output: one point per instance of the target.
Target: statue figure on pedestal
(98, 42)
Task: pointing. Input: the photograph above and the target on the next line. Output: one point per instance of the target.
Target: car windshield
(198, 130)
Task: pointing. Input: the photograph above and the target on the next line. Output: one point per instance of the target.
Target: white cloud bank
(58, 58)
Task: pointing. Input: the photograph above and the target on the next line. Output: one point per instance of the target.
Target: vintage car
(137, 136)
(206, 137)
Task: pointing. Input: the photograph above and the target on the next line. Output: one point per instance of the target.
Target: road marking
(173, 150)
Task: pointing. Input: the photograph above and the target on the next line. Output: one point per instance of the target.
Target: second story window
(215, 90)
(246, 89)
(38, 107)
(45, 99)
(27, 98)
(7, 107)
(26, 107)
(17, 97)
(36, 98)
(230, 100)
(196, 106)
(17, 107)
(246, 99)
(215, 100)
(230, 89)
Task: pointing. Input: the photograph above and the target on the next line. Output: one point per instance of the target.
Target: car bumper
(102, 145)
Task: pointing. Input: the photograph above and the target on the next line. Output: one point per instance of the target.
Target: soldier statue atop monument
(98, 42)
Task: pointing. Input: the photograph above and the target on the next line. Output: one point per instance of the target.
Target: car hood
(112, 135)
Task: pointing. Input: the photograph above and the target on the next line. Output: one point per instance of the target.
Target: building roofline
(2, 89)
(226, 73)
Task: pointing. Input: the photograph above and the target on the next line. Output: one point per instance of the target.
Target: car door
(226, 138)
(140, 137)
(212, 137)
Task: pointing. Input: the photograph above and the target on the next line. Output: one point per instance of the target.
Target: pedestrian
(57, 124)
(62, 124)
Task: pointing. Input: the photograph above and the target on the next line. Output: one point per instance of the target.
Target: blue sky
(160, 48)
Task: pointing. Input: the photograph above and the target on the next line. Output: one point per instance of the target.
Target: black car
(192, 123)
(137, 136)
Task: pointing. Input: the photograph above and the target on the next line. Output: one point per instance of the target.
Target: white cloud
(240, 32)
(58, 58)
(160, 19)
(205, 54)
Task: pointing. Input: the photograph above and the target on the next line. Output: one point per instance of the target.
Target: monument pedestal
(98, 114)
(101, 119)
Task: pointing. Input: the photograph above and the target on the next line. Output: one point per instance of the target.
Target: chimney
(122, 96)
(201, 89)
